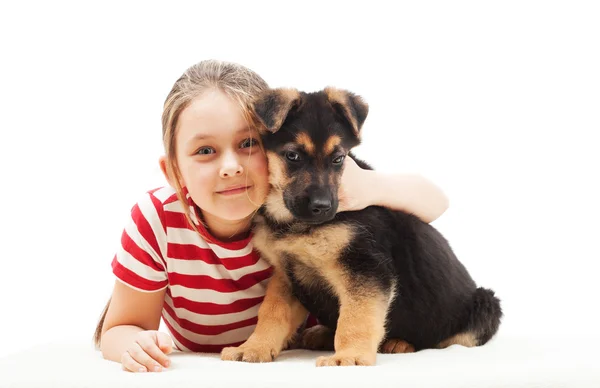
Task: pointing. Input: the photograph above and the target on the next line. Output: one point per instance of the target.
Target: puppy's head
(306, 137)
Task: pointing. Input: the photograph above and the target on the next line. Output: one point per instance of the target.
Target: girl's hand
(148, 352)
(355, 191)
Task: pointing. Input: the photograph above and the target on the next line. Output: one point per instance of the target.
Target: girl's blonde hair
(236, 81)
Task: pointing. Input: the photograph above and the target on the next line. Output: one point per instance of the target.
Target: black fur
(436, 297)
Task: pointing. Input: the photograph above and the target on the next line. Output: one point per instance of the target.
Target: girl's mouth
(235, 190)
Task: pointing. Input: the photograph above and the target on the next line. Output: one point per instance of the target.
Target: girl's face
(220, 160)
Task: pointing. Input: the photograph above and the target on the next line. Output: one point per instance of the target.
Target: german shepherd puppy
(376, 279)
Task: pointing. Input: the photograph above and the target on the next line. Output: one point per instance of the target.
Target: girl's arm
(411, 193)
(129, 331)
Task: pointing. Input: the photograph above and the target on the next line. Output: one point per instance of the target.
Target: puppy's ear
(350, 106)
(273, 106)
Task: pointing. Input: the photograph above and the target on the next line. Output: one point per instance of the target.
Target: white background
(496, 102)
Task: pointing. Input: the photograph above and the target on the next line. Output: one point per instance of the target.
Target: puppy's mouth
(304, 211)
(313, 222)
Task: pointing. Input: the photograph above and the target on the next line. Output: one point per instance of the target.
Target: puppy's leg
(484, 314)
(467, 339)
(394, 345)
(318, 337)
(360, 328)
(279, 317)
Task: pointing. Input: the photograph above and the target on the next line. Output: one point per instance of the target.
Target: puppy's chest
(317, 247)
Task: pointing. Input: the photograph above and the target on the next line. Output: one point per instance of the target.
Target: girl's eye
(292, 156)
(205, 151)
(339, 159)
(250, 142)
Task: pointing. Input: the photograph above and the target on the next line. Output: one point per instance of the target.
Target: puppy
(376, 279)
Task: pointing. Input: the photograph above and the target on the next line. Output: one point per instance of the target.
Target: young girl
(185, 254)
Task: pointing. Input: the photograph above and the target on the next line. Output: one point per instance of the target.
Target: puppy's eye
(339, 159)
(292, 156)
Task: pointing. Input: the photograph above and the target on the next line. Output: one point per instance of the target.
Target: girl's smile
(233, 190)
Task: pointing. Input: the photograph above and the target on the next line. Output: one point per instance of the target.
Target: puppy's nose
(319, 205)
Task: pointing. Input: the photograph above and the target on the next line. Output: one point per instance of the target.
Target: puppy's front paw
(346, 359)
(249, 354)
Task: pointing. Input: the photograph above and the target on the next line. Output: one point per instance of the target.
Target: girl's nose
(231, 166)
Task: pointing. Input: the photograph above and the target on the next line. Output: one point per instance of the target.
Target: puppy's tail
(485, 315)
(98, 332)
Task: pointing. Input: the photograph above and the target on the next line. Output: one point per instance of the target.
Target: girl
(185, 254)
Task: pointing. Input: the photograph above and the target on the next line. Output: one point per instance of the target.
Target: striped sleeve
(139, 261)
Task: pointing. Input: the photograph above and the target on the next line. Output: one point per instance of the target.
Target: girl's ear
(162, 161)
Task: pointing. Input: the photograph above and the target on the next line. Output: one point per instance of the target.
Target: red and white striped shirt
(213, 290)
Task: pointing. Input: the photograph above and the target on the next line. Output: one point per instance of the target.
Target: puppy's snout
(319, 205)
(320, 201)
(315, 205)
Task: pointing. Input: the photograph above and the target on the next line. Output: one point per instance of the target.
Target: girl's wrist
(374, 184)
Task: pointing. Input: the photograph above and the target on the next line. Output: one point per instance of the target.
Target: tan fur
(396, 346)
(361, 324)
(288, 96)
(277, 209)
(363, 309)
(318, 337)
(341, 97)
(261, 239)
(278, 177)
(319, 250)
(279, 181)
(331, 143)
(467, 339)
(279, 316)
(305, 141)
(305, 275)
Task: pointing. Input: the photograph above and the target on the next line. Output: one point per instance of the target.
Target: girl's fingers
(131, 365)
(164, 342)
(142, 357)
(159, 359)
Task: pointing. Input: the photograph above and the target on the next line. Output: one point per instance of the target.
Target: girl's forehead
(212, 114)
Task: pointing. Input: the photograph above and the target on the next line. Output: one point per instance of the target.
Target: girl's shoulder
(165, 195)
(157, 206)
(160, 199)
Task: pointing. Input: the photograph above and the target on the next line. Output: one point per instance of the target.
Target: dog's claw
(346, 360)
(248, 354)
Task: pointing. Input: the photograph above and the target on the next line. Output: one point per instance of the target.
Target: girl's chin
(237, 214)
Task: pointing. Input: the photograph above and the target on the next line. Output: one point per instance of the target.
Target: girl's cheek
(259, 161)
